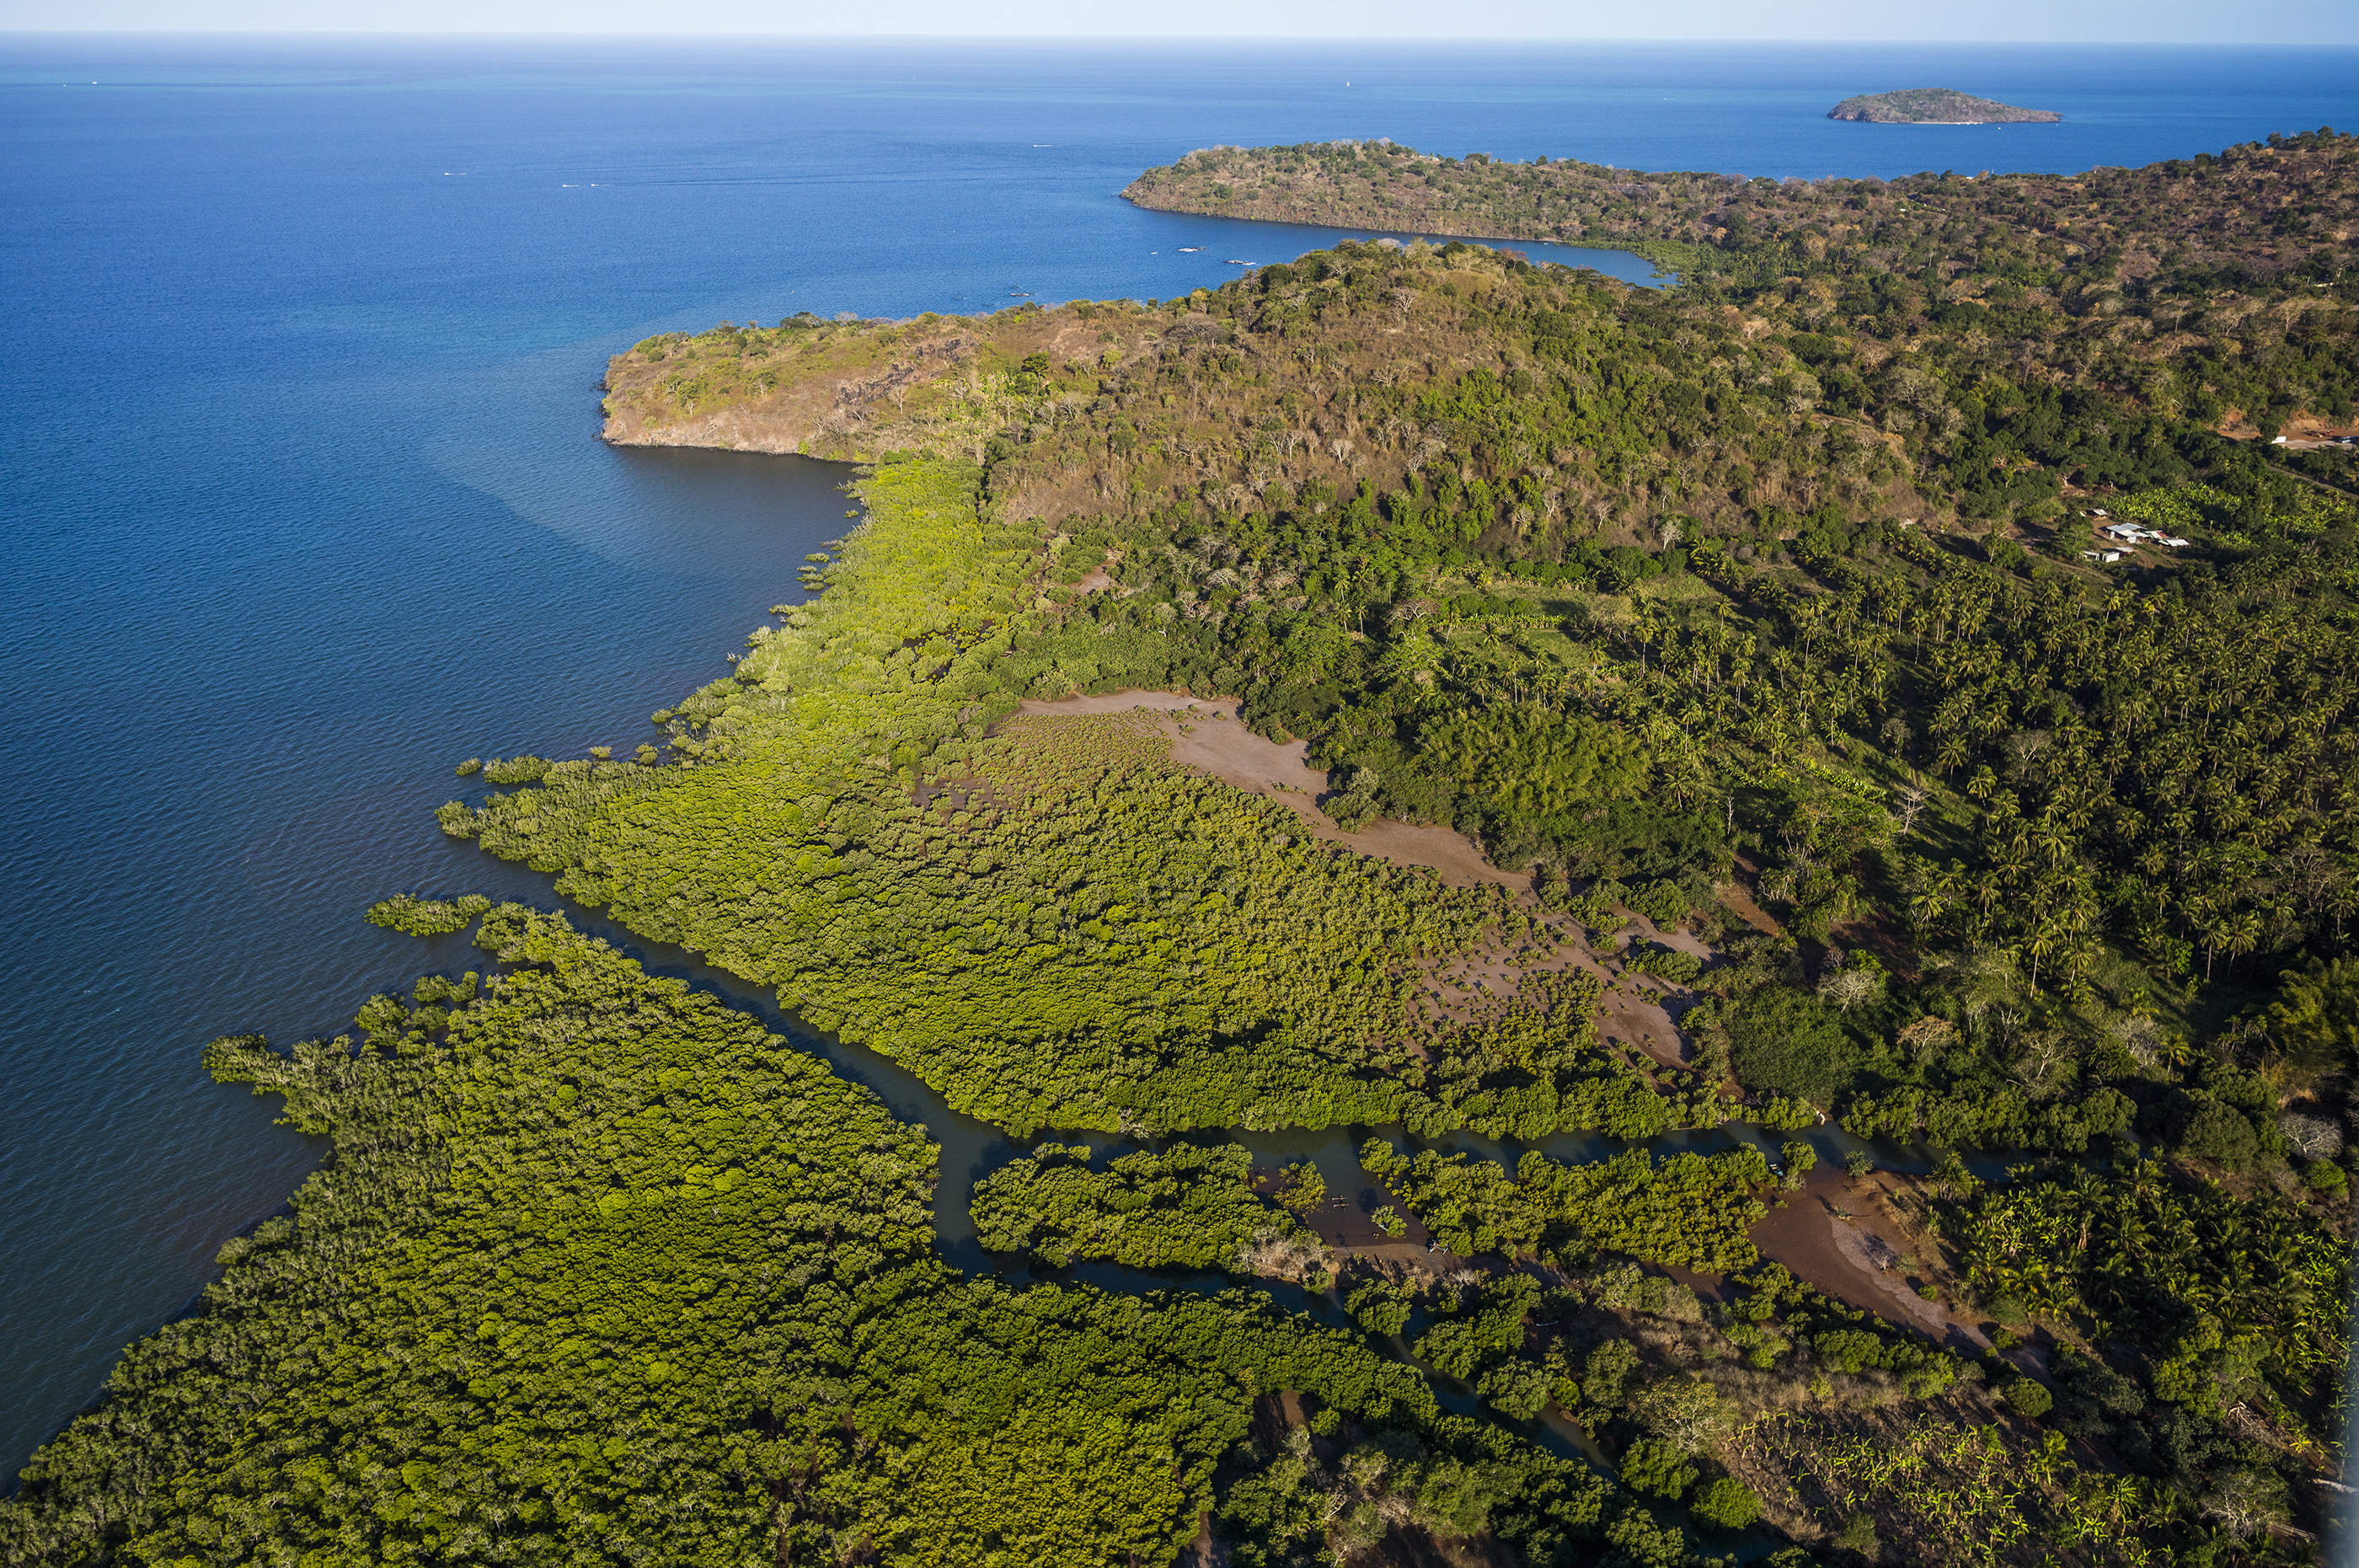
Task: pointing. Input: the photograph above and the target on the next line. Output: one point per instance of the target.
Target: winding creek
(972, 1148)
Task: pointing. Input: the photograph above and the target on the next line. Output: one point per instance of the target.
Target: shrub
(1669, 962)
(2027, 1396)
(1786, 1114)
(1782, 1042)
(1516, 1389)
(1353, 802)
(2325, 1176)
(1607, 1372)
(426, 917)
(1663, 902)
(517, 769)
(1728, 1503)
(1848, 1349)
(1594, 908)
(1379, 1308)
(1658, 1469)
(2211, 1128)
(1302, 1189)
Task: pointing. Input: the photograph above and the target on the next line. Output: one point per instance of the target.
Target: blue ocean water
(300, 500)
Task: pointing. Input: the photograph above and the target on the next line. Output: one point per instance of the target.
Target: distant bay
(303, 502)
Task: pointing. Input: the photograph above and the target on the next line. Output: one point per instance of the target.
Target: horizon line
(641, 36)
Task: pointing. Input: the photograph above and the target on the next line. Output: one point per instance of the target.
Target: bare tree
(1911, 799)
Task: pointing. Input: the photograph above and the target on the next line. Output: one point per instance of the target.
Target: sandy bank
(1206, 734)
(1835, 1235)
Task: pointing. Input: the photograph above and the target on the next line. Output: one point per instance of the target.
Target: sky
(1966, 21)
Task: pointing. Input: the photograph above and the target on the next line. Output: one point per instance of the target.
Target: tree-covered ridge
(1935, 105)
(1188, 1206)
(1510, 413)
(2260, 216)
(1366, 362)
(2199, 290)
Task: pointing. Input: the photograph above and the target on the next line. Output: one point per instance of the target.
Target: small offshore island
(1937, 106)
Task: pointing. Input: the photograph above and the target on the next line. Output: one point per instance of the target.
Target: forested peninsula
(1885, 680)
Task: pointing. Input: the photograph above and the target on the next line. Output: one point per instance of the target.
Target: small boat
(1190, 250)
(1234, 262)
(1019, 293)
